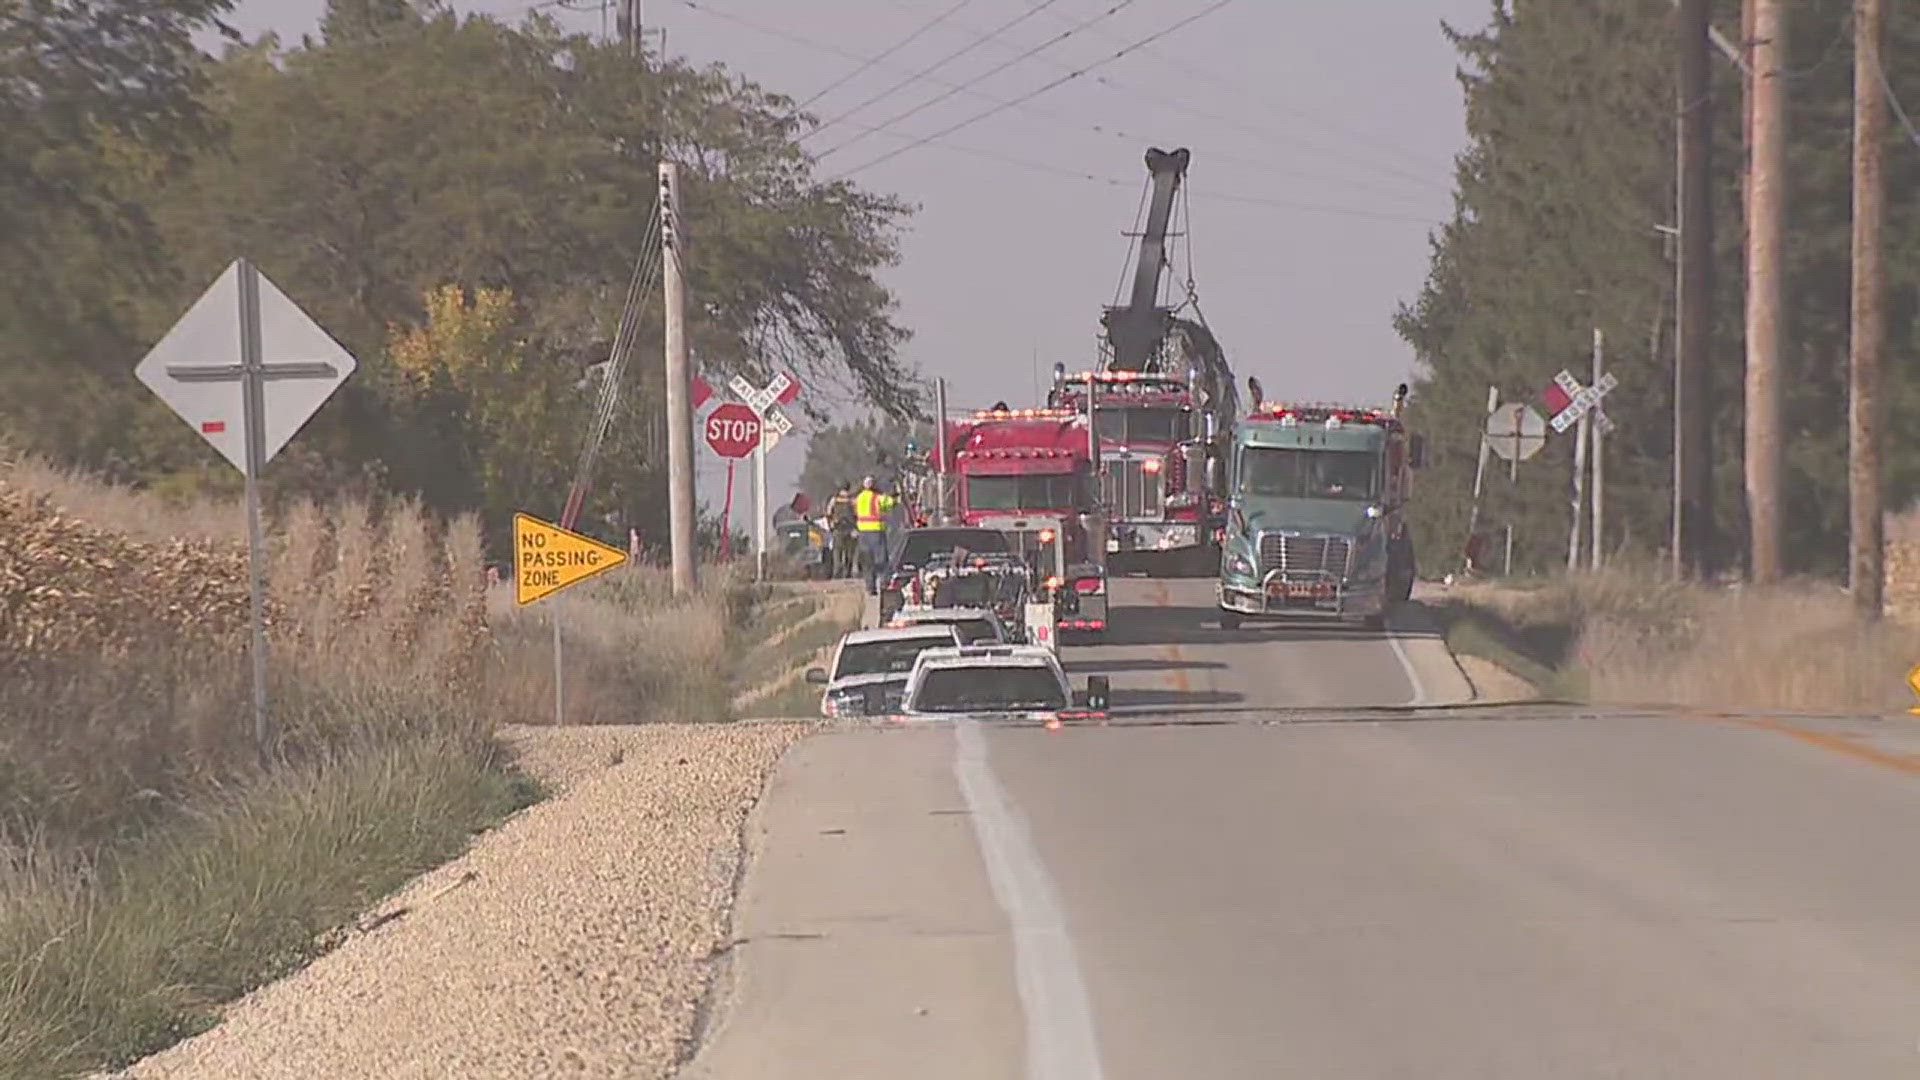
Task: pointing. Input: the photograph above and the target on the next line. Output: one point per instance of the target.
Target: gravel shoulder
(577, 938)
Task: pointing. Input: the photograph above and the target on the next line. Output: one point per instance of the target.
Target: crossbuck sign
(765, 400)
(1582, 398)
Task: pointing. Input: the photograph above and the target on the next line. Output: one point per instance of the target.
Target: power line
(937, 65)
(1272, 167)
(1070, 173)
(1893, 99)
(983, 76)
(1070, 76)
(1208, 73)
(894, 48)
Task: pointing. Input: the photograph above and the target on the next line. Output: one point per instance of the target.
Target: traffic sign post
(765, 401)
(546, 559)
(245, 353)
(1576, 404)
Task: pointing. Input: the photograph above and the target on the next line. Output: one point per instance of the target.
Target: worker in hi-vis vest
(870, 510)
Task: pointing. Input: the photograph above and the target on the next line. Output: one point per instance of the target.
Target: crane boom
(1136, 330)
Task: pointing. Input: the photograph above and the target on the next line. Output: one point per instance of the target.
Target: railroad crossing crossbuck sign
(1570, 400)
(766, 401)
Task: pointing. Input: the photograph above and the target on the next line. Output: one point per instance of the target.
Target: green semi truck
(1316, 513)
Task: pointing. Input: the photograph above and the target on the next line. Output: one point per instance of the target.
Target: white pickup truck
(1019, 682)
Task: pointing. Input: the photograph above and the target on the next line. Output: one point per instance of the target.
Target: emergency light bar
(1333, 416)
(1124, 377)
(1026, 414)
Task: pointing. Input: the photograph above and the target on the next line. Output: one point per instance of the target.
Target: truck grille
(1304, 554)
(1129, 489)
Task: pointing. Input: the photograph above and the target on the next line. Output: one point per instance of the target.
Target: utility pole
(679, 411)
(1869, 329)
(1693, 535)
(1599, 464)
(1766, 191)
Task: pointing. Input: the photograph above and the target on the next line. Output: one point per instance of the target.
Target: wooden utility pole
(679, 410)
(1869, 328)
(1692, 385)
(1766, 191)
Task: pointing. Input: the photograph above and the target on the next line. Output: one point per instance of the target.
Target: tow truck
(1026, 474)
(1317, 513)
(1163, 404)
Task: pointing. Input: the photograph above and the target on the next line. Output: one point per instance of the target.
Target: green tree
(1568, 171)
(98, 100)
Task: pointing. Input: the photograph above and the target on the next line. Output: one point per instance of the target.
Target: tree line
(458, 200)
(1563, 201)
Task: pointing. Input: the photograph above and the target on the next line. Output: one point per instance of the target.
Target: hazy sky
(1322, 133)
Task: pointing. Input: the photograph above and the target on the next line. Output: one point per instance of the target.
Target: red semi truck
(1028, 473)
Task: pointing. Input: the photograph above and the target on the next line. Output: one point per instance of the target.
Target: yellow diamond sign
(1913, 680)
(548, 558)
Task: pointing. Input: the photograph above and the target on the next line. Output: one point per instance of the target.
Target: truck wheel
(1229, 620)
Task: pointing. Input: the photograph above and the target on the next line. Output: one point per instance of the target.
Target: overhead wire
(1037, 91)
(922, 73)
(1209, 73)
(1270, 167)
(983, 76)
(1893, 100)
(882, 56)
(646, 269)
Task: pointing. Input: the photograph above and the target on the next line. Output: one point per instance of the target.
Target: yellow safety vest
(870, 510)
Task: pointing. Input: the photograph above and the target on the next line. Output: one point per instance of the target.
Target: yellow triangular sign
(548, 558)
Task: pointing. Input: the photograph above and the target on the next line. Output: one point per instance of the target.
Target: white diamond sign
(202, 369)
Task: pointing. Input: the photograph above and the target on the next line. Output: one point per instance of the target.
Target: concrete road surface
(1250, 874)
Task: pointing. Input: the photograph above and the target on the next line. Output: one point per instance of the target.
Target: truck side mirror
(1417, 452)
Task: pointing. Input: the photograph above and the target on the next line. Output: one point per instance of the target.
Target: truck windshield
(1292, 473)
(984, 689)
(882, 657)
(1023, 492)
(921, 544)
(1126, 426)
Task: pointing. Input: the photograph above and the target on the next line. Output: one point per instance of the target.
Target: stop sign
(733, 430)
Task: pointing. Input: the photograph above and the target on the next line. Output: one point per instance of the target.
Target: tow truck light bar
(1332, 416)
(1026, 414)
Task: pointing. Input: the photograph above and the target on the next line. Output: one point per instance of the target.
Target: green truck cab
(1316, 518)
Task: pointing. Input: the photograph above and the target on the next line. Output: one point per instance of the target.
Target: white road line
(1406, 664)
(1060, 1041)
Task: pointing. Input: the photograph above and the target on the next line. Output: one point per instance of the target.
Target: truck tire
(1400, 569)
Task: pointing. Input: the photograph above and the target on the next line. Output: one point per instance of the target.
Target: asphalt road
(1266, 867)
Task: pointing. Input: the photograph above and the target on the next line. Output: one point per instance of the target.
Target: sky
(1322, 135)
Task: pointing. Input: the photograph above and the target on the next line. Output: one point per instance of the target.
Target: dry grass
(1633, 637)
(151, 865)
(631, 652)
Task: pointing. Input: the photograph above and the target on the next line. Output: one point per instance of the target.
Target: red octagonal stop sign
(733, 430)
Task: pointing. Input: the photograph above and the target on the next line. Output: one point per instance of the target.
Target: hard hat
(866, 482)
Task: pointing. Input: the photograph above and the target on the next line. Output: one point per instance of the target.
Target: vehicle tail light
(1151, 465)
(1052, 583)
(1092, 586)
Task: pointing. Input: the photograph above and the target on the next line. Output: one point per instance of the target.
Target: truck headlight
(1239, 564)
